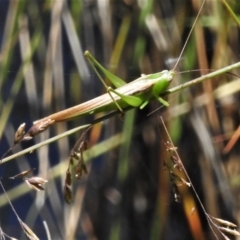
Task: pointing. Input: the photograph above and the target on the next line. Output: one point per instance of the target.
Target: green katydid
(134, 94)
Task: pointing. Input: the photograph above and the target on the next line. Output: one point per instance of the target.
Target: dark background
(126, 194)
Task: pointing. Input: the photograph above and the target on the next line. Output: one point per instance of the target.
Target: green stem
(203, 78)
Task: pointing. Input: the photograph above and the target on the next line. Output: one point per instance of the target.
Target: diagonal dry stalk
(221, 225)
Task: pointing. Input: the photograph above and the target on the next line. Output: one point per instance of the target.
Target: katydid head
(162, 82)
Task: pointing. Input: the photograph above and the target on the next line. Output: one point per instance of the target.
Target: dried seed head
(178, 180)
(83, 146)
(68, 179)
(172, 149)
(36, 183)
(230, 231)
(80, 169)
(28, 231)
(177, 162)
(19, 133)
(84, 168)
(223, 222)
(71, 161)
(38, 128)
(74, 155)
(176, 194)
(166, 166)
(22, 174)
(67, 193)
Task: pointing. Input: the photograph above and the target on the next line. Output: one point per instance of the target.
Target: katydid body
(136, 94)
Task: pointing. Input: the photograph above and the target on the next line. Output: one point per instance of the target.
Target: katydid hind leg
(116, 81)
(130, 100)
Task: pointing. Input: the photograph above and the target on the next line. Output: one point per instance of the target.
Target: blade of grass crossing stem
(127, 133)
